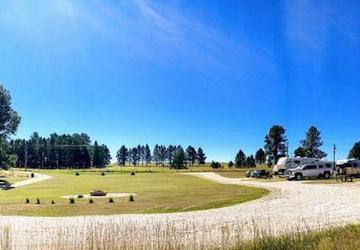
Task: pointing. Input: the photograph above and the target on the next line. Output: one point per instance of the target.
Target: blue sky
(215, 74)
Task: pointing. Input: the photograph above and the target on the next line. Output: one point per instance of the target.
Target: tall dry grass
(170, 235)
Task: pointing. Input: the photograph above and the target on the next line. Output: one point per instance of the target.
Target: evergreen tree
(230, 164)
(260, 156)
(201, 158)
(300, 152)
(122, 155)
(275, 144)
(250, 162)
(156, 154)
(98, 156)
(170, 153)
(240, 159)
(179, 159)
(312, 143)
(355, 151)
(9, 122)
(147, 154)
(191, 155)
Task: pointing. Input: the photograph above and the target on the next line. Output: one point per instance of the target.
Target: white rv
(285, 163)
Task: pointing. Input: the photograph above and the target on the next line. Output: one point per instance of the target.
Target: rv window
(328, 165)
(321, 166)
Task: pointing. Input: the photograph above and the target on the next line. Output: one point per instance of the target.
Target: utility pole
(334, 155)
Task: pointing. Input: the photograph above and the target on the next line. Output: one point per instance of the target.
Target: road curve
(291, 206)
(37, 178)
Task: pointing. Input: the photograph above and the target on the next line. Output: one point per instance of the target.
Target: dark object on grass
(91, 201)
(131, 198)
(80, 196)
(77, 173)
(261, 173)
(27, 200)
(133, 173)
(37, 201)
(32, 175)
(111, 200)
(98, 193)
(215, 164)
(53, 202)
(102, 173)
(72, 200)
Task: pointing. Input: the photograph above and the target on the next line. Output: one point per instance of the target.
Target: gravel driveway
(291, 206)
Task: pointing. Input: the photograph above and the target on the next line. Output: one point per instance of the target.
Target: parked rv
(313, 170)
(286, 163)
(352, 167)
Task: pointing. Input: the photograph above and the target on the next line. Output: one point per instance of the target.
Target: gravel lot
(292, 206)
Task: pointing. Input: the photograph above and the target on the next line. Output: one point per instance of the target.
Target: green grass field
(158, 190)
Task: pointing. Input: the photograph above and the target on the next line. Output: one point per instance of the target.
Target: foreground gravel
(291, 207)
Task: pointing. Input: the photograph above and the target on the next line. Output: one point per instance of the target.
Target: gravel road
(291, 206)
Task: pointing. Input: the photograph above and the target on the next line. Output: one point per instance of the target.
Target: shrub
(133, 173)
(215, 164)
(37, 201)
(77, 173)
(27, 200)
(80, 196)
(131, 198)
(72, 200)
(102, 173)
(53, 202)
(91, 201)
(231, 164)
(111, 200)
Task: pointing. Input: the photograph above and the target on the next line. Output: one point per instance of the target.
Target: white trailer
(285, 163)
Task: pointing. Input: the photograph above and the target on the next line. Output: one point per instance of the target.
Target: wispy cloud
(309, 24)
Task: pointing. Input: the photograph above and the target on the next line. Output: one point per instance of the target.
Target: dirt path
(37, 178)
(292, 206)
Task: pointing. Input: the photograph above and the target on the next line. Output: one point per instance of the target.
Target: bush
(91, 201)
(215, 164)
(231, 164)
(37, 201)
(53, 202)
(131, 198)
(133, 173)
(77, 173)
(111, 200)
(27, 200)
(102, 173)
(72, 200)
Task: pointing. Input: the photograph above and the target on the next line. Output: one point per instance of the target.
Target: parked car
(260, 173)
(316, 170)
(351, 166)
(5, 185)
(287, 163)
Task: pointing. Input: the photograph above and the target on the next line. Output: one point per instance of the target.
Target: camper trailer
(285, 163)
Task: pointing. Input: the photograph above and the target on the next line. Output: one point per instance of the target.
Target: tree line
(58, 151)
(161, 155)
(276, 146)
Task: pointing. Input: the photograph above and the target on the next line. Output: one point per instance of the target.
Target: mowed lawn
(155, 193)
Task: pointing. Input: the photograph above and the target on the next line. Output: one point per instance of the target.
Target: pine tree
(312, 143)
(275, 144)
(355, 151)
(240, 159)
(260, 156)
(122, 155)
(201, 158)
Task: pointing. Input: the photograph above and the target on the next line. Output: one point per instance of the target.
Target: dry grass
(113, 236)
